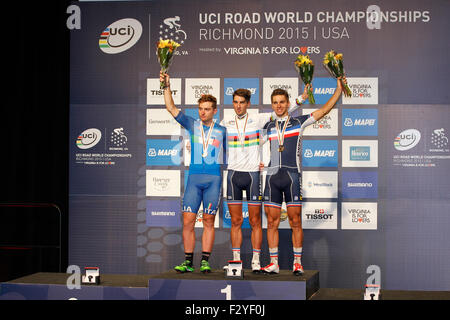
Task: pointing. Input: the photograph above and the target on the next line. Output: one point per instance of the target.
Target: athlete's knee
(208, 221)
(295, 222)
(237, 221)
(255, 221)
(273, 222)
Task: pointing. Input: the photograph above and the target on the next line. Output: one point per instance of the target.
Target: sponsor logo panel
(323, 89)
(155, 96)
(319, 184)
(364, 91)
(327, 126)
(163, 213)
(319, 215)
(359, 215)
(359, 153)
(163, 152)
(162, 183)
(232, 84)
(320, 153)
(161, 122)
(288, 84)
(196, 87)
(360, 184)
(359, 122)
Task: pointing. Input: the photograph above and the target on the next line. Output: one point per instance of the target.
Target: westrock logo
(88, 138)
(120, 36)
(407, 139)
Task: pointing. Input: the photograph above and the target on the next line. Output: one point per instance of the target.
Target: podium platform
(165, 286)
(215, 286)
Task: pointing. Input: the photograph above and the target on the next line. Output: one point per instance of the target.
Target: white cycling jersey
(244, 139)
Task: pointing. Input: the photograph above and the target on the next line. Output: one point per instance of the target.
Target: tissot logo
(120, 36)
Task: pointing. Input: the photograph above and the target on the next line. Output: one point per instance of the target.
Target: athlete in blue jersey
(283, 180)
(208, 143)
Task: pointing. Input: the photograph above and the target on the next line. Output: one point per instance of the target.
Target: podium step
(215, 286)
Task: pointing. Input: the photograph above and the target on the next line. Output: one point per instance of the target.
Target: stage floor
(142, 281)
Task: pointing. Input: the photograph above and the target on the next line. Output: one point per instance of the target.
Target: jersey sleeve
(264, 135)
(306, 120)
(186, 121)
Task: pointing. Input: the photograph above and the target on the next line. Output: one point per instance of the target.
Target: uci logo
(120, 36)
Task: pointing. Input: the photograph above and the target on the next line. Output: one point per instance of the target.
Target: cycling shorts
(285, 183)
(204, 188)
(238, 181)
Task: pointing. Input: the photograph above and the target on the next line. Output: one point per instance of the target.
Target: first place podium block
(215, 286)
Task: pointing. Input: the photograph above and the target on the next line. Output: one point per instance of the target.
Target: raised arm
(319, 113)
(168, 100)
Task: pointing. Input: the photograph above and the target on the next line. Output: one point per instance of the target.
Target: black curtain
(35, 94)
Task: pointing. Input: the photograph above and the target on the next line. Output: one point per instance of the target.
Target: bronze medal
(280, 148)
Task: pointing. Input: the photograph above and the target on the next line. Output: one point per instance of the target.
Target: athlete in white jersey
(244, 158)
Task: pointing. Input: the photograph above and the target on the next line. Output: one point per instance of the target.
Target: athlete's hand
(261, 166)
(164, 77)
(305, 91)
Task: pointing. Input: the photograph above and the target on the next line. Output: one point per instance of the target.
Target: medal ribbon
(241, 137)
(281, 137)
(205, 145)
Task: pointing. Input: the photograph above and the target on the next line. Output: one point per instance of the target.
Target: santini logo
(89, 138)
(407, 139)
(120, 36)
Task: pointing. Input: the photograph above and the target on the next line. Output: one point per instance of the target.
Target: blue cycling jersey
(215, 154)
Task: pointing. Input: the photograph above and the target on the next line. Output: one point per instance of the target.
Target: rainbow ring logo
(120, 36)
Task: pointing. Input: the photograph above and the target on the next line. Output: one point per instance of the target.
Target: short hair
(279, 92)
(208, 98)
(244, 93)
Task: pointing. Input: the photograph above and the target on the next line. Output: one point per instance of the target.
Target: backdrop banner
(375, 169)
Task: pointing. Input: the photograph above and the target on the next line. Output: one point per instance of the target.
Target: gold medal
(281, 134)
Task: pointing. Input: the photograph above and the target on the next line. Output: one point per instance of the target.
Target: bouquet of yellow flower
(305, 68)
(333, 63)
(164, 51)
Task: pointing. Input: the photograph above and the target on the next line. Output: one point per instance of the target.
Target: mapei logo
(163, 152)
(88, 138)
(320, 153)
(323, 89)
(120, 36)
(232, 84)
(360, 122)
(407, 139)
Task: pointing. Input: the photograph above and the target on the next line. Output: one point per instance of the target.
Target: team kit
(235, 144)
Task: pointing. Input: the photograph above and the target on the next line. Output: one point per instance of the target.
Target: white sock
(298, 255)
(256, 254)
(236, 254)
(273, 255)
